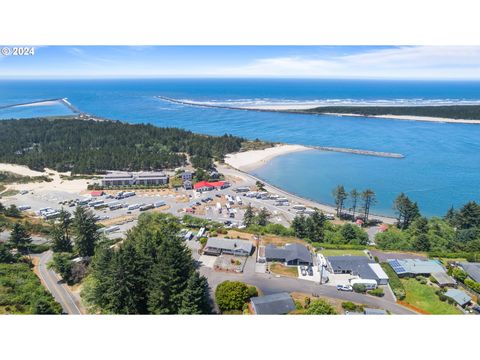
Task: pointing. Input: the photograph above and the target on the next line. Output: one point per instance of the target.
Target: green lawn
(337, 252)
(424, 297)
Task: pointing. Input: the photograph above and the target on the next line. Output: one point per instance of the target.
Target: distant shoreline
(307, 109)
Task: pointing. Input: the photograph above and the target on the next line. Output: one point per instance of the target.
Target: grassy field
(424, 297)
(336, 252)
(280, 269)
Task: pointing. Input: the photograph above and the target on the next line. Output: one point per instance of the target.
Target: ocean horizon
(441, 167)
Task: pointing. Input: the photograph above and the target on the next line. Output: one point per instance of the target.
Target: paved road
(52, 282)
(270, 284)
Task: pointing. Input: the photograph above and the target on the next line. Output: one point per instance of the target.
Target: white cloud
(422, 62)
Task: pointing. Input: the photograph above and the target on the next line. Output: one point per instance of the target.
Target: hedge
(394, 280)
(475, 286)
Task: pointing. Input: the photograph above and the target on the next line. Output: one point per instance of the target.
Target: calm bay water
(442, 164)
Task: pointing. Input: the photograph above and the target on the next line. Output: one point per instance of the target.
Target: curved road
(54, 285)
(270, 284)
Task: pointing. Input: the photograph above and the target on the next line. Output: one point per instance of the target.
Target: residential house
(360, 266)
(290, 254)
(218, 246)
(275, 304)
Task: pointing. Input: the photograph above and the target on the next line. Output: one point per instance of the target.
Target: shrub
(232, 295)
(394, 280)
(320, 307)
(432, 279)
(359, 288)
(422, 280)
(399, 293)
(252, 291)
(459, 274)
(472, 285)
(377, 292)
(203, 241)
(349, 306)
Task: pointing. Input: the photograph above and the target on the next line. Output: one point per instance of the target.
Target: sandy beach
(250, 160)
(410, 118)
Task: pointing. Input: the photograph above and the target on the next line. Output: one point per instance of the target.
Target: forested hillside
(85, 147)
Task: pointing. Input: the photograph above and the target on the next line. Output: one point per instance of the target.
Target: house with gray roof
(458, 296)
(290, 254)
(275, 304)
(360, 266)
(414, 267)
(218, 246)
(369, 311)
(472, 270)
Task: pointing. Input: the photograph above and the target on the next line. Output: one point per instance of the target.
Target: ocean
(441, 167)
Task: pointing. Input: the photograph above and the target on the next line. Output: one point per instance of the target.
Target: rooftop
(288, 252)
(357, 265)
(458, 296)
(443, 278)
(415, 266)
(368, 311)
(275, 304)
(229, 244)
(202, 184)
(472, 269)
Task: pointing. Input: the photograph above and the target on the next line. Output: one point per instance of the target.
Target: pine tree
(340, 195)
(249, 216)
(20, 238)
(262, 217)
(85, 230)
(169, 277)
(128, 282)
(195, 298)
(61, 233)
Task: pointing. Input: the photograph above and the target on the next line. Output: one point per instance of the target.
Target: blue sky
(369, 62)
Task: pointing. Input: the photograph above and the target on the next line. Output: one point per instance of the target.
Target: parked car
(310, 270)
(303, 270)
(344, 288)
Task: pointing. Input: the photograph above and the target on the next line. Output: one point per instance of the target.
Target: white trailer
(370, 284)
(219, 207)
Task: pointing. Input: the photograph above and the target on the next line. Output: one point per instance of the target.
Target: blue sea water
(441, 167)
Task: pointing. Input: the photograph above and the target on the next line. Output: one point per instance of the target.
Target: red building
(207, 186)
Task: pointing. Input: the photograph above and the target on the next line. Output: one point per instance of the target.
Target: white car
(344, 288)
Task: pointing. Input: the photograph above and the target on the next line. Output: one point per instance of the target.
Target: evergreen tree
(195, 298)
(169, 277)
(406, 209)
(315, 226)
(249, 216)
(262, 217)
(128, 283)
(299, 225)
(354, 196)
(421, 243)
(369, 198)
(340, 195)
(85, 231)
(20, 238)
(61, 233)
